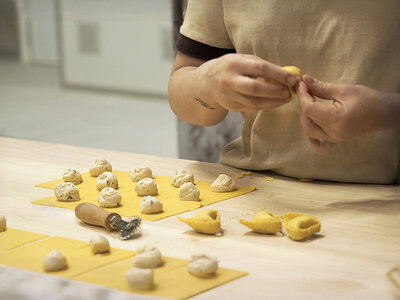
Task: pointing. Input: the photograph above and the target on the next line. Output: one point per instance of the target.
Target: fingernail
(308, 79)
(291, 80)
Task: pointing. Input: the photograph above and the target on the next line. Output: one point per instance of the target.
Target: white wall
(120, 44)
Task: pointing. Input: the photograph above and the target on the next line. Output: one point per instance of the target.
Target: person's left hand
(355, 110)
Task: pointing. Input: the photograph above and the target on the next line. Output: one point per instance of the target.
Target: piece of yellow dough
(207, 221)
(300, 226)
(292, 69)
(264, 222)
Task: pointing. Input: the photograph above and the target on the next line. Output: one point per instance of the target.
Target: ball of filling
(141, 279)
(203, 265)
(224, 183)
(140, 172)
(150, 205)
(54, 261)
(189, 192)
(106, 179)
(146, 187)
(99, 166)
(99, 244)
(66, 191)
(3, 224)
(109, 197)
(72, 176)
(182, 176)
(147, 257)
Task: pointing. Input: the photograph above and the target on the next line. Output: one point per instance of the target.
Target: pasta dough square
(13, 238)
(130, 205)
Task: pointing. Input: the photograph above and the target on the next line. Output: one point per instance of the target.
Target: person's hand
(232, 82)
(354, 111)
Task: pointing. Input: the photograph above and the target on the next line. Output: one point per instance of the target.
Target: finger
(318, 146)
(318, 112)
(257, 67)
(312, 130)
(321, 89)
(254, 87)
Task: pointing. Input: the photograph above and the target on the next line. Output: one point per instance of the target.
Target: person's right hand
(232, 81)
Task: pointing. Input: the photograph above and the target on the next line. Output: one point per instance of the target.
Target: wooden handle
(94, 215)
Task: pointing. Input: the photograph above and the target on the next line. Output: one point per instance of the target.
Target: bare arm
(201, 92)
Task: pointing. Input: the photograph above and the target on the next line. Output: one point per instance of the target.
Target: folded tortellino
(206, 221)
(300, 226)
(264, 222)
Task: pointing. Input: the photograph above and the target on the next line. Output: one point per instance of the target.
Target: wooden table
(358, 244)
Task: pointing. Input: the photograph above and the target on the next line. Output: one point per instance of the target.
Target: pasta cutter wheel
(94, 215)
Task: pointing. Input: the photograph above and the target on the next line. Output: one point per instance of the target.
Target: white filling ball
(150, 205)
(3, 223)
(54, 261)
(72, 176)
(182, 176)
(66, 191)
(109, 197)
(99, 166)
(224, 183)
(147, 257)
(146, 187)
(140, 172)
(106, 179)
(203, 265)
(189, 192)
(141, 279)
(99, 244)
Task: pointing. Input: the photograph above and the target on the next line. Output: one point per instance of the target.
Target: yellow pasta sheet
(130, 205)
(171, 280)
(13, 238)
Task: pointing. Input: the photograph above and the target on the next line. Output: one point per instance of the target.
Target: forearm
(189, 100)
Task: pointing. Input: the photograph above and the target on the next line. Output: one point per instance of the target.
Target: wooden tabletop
(350, 258)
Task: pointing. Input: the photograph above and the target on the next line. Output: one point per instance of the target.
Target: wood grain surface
(349, 259)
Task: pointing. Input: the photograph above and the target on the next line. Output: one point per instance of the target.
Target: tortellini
(3, 224)
(66, 191)
(109, 197)
(264, 222)
(224, 183)
(140, 172)
(182, 176)
(99, 244)
(54, 261)
(189, 192)
(147, 257)
(141, 279)
(300, 226)
(99, 166)
(150, 205)
(206, 221)
(72, 176)
(106, 179)
(203, 265)
(146, 187)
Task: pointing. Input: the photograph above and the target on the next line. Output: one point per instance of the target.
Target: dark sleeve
(199, 50)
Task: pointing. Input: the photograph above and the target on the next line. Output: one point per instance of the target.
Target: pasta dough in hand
(66, 191)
